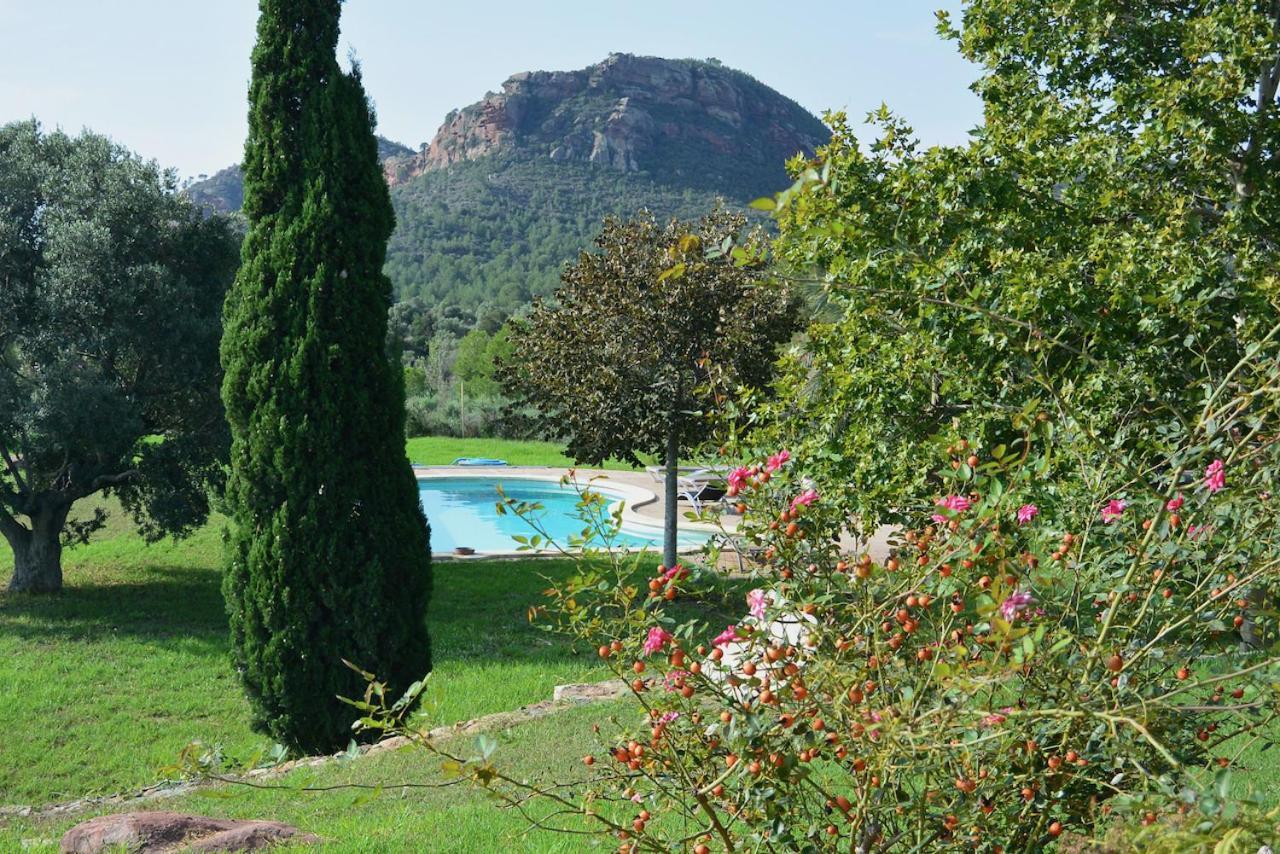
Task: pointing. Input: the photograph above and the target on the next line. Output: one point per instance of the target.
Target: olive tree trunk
(37, 551)
(671, 516)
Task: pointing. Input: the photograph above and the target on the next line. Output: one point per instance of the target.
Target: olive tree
(111, 288)
(618, 363)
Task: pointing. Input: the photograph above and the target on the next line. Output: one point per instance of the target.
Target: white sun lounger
(691, 482)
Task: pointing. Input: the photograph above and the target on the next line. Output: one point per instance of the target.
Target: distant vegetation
(452, 390)
(222, 192)
(497, 232)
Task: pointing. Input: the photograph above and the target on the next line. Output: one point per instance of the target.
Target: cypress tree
(328, 555)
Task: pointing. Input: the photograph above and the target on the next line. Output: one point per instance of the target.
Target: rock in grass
(162, 832)
(591, 692)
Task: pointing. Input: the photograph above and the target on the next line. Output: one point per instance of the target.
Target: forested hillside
(498, 230)
(515, 185)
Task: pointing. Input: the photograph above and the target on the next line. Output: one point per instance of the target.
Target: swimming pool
(462, 511)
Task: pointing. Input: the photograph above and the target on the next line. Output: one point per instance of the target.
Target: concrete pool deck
(643, 506)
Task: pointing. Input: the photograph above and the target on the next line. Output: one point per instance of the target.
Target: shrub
(995, 682)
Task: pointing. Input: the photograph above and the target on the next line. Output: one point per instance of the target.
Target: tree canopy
(111, 287)
(619, 364)
(1102, 248)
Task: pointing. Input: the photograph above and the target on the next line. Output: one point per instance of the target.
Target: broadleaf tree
(111, 286)
(618, 363)
(329, 558)
(1103, 249)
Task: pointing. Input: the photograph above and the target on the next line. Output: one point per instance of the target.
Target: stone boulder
(163, 832)
(590, 692)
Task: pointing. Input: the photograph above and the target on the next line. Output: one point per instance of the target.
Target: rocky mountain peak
(629, 113)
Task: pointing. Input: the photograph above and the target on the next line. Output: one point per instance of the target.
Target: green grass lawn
(106, 683)
(395, 819)
(442, 450)
(102, 686)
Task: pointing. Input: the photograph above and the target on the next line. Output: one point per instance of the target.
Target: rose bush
(995, 681)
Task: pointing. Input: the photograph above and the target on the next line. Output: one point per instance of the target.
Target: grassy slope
(395, 819)
(106, 683)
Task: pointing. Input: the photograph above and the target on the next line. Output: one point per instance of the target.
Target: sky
(168, 78)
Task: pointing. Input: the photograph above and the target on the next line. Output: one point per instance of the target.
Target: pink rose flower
(676, 571)
(777, 461)
(804, 499)
(1114, 509)
(1173, 505)
(996, 718)
(738, 478)
(756, 603)
(1027, 512)
(954, 503)
(657, 639)
(668, 717)
(726, 637)
(1215, 477)
(1018, 601)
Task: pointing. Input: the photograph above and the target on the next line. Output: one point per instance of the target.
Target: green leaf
(1222, 783)
(676, 271)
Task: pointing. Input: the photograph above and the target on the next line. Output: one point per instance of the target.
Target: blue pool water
(462, 512)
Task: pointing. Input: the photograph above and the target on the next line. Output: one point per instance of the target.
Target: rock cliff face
(665, 117)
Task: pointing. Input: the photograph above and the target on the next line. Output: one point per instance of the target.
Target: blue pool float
(478, 461)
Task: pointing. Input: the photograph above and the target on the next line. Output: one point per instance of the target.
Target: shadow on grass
(159, 604)
(480, 609)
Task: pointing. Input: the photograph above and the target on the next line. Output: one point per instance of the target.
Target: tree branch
(1268, 81)
(11, 528)
(108, 480)
(14, 469)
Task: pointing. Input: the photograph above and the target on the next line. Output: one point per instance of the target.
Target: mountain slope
(497, 231)
(223, 191)
(516, 184)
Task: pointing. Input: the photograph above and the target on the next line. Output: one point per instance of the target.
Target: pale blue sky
(168, 77)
